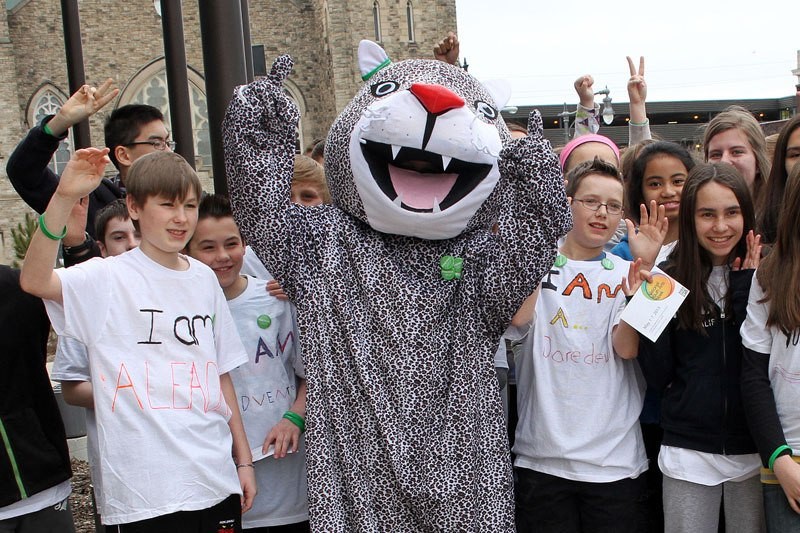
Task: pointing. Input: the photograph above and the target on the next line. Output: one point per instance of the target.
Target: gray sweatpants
(693, 508)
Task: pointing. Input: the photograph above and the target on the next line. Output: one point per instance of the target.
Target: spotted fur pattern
(405, 424)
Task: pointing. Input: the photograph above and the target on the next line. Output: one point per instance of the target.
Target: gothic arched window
(47, 101)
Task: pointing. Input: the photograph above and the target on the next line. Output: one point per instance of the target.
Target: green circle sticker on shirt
(560, 261)
(264, 321)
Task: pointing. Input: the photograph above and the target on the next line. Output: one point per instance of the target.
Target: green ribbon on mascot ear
(368, 75)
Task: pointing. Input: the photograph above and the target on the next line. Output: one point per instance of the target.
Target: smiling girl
(707, 453)
(735, 137)
(658, 175)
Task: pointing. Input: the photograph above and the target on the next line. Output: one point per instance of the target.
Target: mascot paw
(533, 147)
(280, 108)
(281, 69)
(535, 125)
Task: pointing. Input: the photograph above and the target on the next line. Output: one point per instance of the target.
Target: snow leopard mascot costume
(401, 286)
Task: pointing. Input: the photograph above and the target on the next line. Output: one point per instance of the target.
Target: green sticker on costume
(264, 321)
(451, 267)
(607, 263)
(560, 261)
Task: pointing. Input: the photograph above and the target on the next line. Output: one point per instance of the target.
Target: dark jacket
(700, 374)
(33, 444)
(34, 181)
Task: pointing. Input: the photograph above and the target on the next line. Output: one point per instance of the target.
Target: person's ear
(123, 156)
(133, 208)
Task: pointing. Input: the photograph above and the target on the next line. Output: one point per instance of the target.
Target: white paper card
(654, 304)
(258, 454)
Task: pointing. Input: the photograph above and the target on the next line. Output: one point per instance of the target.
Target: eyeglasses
(158, 144)
(591, 204)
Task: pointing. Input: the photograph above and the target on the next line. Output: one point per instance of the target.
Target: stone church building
(122, 39)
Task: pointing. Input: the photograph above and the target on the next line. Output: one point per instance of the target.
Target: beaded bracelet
(43, 227)
(295, 419)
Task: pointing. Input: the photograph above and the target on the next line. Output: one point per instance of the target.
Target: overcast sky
(693, 49)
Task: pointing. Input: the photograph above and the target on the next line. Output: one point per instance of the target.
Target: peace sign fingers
(632, 69)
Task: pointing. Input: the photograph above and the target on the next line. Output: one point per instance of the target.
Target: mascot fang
(401, 286)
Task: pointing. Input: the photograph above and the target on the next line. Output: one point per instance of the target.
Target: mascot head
(415, 153)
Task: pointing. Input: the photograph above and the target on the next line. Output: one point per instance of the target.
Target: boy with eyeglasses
(131, 131)
(578, 446)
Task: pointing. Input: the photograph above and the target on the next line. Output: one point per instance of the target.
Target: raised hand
(447, 49)
(584, 88)
(84, 103)
(646, 243)
(637, 87)
(637, 92)
(753, 257)
(83, 173)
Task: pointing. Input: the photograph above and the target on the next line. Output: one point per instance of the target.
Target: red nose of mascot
(435, 98)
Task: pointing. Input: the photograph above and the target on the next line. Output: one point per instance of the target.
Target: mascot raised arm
(401, 286)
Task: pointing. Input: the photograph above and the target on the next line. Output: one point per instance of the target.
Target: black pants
(652, 435)
(225, 517)
(550, 504)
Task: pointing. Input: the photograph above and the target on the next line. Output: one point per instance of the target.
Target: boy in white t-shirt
(115, 236)
(271, 388)
(161, 342)
(578, 446)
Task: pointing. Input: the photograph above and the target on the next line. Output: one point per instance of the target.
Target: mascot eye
(485, 109)
(383, 88)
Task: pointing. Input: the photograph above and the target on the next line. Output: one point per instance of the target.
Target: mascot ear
(371, 58)
(500, 90)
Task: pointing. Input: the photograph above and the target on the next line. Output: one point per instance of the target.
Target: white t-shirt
(500, 356)
(664, 251)
(578, 403)
(158, 340)
(705, 468)
(266, 387)
(252, 266)
(72, 364)
(784, 362)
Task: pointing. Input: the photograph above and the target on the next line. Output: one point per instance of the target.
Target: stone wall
(12, 210)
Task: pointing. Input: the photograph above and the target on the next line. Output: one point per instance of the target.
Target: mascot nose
(435, 98)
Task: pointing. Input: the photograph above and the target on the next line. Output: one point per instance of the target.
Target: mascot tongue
(418, 190)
